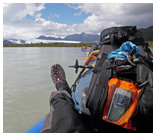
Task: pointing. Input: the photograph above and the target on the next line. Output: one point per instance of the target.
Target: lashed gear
(110, 40)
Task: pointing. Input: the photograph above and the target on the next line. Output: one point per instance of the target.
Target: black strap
(149, 102)
(105, 42)
(109, 41)
(100, 95)
(101, 59)
(113, 41)
(100, 68)
(112, 64)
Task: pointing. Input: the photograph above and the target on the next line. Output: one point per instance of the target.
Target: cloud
(13, 12)
(93, 25)
(56, 15)
(17, 25)
(139, 14)
(38, 15)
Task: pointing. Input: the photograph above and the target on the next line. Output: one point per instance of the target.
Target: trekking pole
(77, 66)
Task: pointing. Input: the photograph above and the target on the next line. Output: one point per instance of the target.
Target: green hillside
(51, 45)
(148, 33)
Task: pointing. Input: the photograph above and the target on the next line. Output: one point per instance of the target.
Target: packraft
(120, 92)
(37, 127)
(85, 50)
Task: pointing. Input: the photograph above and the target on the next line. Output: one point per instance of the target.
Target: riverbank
(59, 45)
(51, 45)
(150, 44)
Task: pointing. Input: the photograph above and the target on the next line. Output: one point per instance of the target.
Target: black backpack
(111, 39)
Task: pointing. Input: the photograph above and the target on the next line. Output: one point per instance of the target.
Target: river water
(27, 83)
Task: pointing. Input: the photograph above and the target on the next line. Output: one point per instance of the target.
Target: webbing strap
(109, 66)
(149, 103)
(100, 95)
(113, 41)
(100, 68)
(109, 41)
(101, 59)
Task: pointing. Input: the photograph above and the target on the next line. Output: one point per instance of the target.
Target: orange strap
(93, 58)
(91, 55)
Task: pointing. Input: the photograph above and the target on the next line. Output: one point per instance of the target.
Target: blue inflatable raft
(86, 50)
(36, 128)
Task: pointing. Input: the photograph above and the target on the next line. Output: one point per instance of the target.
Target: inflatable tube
(86, 50)
(36, 128)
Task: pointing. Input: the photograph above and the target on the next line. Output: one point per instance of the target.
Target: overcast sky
(28, 21)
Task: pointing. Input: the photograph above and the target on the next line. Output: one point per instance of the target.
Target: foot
(59, 78)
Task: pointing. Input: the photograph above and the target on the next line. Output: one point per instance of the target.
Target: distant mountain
(7, 42)
(83, 37)
(147, 33)
(14, 41)
(48, 38)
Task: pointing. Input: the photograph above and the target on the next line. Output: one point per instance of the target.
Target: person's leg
(63, 117)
